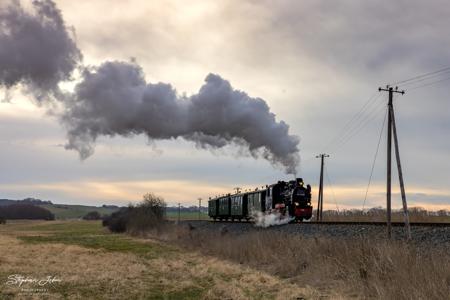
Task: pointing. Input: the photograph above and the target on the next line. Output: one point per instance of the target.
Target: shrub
(117, 221)
(93, 215)
(147, 215)
(25, 211)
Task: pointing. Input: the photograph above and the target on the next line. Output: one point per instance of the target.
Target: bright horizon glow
(312, 62)
(187, 193)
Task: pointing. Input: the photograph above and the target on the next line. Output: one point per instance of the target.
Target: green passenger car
(239, 206)
(224, 207)
(256, 202)
(213, 208)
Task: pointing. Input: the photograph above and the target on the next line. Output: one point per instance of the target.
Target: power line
(349, 126)
(332, 189)
(357, 122)
(425, 78)
(429, 83)
(374, 161)
(354, 118)
(421, 76)
(358, 129)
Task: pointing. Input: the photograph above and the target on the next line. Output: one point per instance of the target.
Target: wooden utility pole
(320, 197)
(392, 129)
(400, 177)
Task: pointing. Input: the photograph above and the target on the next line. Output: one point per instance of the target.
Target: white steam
(273, 219)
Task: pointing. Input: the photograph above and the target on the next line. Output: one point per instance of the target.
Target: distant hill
(32, 201)
(63, 211)
(67, 211)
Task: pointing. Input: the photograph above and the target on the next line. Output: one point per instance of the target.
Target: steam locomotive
(289, 199)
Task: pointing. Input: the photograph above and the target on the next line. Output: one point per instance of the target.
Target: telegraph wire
(425, 79)
(355, 116)
(374, 160)
(373, 115)
(332, 189)
(353, 123)
(422, 76)
(429, 84)
(361, 124)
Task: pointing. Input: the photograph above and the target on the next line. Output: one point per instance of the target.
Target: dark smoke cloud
(36, 48)
(114, 99)
(38, 51)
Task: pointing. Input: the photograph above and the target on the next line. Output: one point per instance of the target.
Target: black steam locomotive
(287, 199)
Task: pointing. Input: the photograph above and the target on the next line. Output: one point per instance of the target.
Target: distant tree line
(25, 211)
(33, 201)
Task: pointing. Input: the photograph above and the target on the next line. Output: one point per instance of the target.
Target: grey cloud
(114, 99)
(36, 48)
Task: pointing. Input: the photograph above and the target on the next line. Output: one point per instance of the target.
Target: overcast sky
(315, 63)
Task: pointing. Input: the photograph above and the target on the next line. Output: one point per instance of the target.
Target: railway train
(289, 199)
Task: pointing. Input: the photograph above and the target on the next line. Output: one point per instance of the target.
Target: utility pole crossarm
(389, 88)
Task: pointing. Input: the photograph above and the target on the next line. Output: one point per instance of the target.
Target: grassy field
(187, 216)
(66, 211)
(88, 262)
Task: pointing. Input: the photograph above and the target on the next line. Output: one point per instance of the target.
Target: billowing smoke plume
(38, 51)
(115, 99)
(36, 48)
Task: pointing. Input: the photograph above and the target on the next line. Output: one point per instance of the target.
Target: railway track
(424, 233)
(397, 224)
(353, 223)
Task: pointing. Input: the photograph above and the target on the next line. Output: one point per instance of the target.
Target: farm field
(66, 211)
(185, 215)
(85, 261)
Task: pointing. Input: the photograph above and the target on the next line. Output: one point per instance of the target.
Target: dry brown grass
(101, 274)
(416, 214)
(351, 268)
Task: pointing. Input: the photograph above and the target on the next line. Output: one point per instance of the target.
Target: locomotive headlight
(297, 204)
